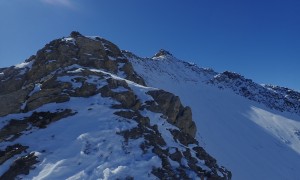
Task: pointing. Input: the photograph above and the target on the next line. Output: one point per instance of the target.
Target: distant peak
(75, 34)
(162, 52)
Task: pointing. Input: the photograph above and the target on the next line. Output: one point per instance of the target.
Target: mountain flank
(79, 110)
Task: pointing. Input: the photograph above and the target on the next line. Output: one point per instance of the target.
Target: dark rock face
(126, 98)
(51, 61)
(162, 52)
(171, 107)
(12, 102)
(10, 151)
(44, 97)
(20, 166)
(87, 52)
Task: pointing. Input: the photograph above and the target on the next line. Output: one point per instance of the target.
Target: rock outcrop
(162, 52)
(170, 106)
(21, 166)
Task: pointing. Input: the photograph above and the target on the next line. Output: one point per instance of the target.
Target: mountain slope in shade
(252, 129)
(78, 110)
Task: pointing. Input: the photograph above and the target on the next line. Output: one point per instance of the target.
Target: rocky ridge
(244, 134)
(86, 67)
(274, 97)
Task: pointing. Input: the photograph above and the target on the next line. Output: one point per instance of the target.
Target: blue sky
(259, 39)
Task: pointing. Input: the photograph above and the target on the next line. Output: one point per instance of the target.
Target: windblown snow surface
(251, 140)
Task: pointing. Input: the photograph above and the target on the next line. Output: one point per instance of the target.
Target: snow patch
(76, 71)
(69, 40)
(24, 65)
(95, 38)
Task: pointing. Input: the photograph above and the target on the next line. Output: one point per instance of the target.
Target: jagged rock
(12, 130)
(86, 90)
(134, 115)
(176, 156)
(42, 119)
(11, 151)
(11, 80)
(110, 48)
(185, 122)
(75, 34)
(171, 107)
(182, 137)
(12, 102)
(52, 83)
(162, 52)
(131, 74)
(20, 166)
(113, 83)
(46, 96)
(232, 75)
(168, 104)
(127, 99)
(94, 53)
(90, 48)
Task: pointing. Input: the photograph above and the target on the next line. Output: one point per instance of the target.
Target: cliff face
(82, 92)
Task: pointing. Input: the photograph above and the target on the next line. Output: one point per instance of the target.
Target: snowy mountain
(251, 129)
(83, 109)
(79, 110)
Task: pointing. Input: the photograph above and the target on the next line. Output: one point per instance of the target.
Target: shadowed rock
(170, 105)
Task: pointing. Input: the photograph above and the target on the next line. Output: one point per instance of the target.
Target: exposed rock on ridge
(274, 97)
(175, 113)
(162, 52)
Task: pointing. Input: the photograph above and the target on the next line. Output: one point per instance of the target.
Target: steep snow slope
(252, 140)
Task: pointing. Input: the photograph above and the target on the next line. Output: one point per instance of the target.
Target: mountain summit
(163, 53)
(78, 109)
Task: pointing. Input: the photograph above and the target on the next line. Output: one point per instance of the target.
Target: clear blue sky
(259, 39)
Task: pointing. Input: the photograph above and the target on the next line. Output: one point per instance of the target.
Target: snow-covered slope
(249, 128)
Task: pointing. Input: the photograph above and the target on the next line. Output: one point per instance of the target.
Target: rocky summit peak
(75, 34)
(162, 52)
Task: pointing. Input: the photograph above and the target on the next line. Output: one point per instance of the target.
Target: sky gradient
(258, 39)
